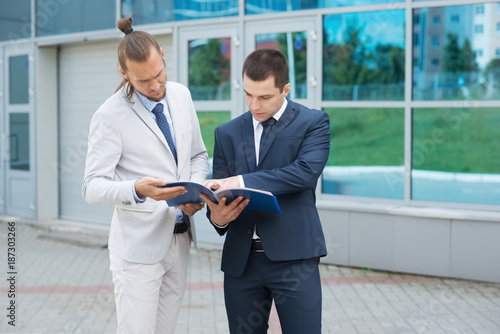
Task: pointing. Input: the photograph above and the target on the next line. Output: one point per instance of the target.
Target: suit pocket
(148, 206)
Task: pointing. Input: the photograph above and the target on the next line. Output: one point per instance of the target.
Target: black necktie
(161, 120)
(267, 125)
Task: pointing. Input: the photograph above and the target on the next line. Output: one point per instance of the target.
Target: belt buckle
(180, 228)
(257, 246)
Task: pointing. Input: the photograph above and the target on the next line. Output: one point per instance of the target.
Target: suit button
(249, 232)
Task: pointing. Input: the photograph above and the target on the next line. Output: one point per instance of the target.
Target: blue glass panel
(455, 155)
(156, 11)
(15, 20)
(294, 46)
(210, 69)
(19, 80)
(19, 131)
(366, 154)
(66, 16)
(454, 54)
(209, 120)
(364, 56)
(270, 6)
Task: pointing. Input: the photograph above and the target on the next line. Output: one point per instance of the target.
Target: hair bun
(125, 25)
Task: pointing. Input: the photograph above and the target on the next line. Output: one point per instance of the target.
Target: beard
(156, 99)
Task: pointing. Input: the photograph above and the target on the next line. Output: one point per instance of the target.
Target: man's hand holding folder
(257, 199)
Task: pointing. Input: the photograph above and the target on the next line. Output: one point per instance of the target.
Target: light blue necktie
(161, 120)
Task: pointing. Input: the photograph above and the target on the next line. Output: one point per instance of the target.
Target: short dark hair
(263, 63)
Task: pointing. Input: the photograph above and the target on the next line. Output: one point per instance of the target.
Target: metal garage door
(88, 75)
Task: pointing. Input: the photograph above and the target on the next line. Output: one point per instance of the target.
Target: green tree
(207, 67)
(493, 67)
(468, 61)
(347, 62)
(452, 60)
(492, 77)
(390, 64)
(300, 55)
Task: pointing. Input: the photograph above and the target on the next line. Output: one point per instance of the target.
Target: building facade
(412, 89)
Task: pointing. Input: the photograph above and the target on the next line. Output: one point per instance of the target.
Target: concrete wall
(413, 240)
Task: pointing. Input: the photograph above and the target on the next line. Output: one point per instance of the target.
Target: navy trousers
(295, 287)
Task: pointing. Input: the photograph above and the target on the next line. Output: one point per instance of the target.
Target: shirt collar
(275, 116)
(147, 103)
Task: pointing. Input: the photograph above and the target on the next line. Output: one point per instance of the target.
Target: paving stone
(64, 286)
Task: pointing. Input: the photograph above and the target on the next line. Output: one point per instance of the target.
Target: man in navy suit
(270, 257)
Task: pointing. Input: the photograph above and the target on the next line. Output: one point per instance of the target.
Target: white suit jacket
(126, 144)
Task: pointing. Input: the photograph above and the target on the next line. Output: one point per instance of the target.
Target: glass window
(480, 10)
(454, 155)
(210, 69)
(435, 42)
(270, 6)
(209, 120)
(364, 55)
(367, 153)
(15, 20)
(498, 26)
(454, 71)
(156, 11)
(19, 141)
(294, 46)
(19, 80)
(64, 17)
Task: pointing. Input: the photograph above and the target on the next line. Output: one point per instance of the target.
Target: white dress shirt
(257, 134)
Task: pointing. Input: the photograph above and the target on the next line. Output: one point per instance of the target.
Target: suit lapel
(283, 122)
(176, 114)
(146, 118)
(248, 142)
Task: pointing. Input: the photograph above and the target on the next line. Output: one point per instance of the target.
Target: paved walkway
(62, 284)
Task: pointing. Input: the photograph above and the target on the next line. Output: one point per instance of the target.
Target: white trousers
(149, 296)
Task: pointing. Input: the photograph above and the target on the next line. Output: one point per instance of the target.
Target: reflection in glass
(209, 120)
(455, 155)
(64, 17)
(19, 80)
(364, 55)
(15, 20)
(294, 46)
(465, 65)
(154, 11)
(19, 141)
(366, 154)
(210, 69)
(268, 6)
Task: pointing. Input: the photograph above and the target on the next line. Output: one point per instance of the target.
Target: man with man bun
(143, 136)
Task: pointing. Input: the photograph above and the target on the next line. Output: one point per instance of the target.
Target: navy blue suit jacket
(291, 162)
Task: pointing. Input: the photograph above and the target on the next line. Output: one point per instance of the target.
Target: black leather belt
(257, 246)
(180, 228)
